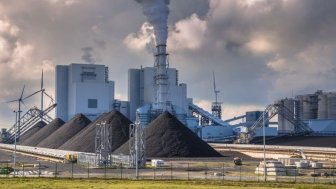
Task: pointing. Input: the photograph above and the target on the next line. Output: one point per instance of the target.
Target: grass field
(18, 183)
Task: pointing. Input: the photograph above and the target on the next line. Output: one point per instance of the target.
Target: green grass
(24, 183)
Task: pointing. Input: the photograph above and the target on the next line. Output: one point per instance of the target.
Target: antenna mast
(216, 107)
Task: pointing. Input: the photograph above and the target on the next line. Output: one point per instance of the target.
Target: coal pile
(166, 136)
(85, 140)
(26, 135)
(65, 132)
(44, 132)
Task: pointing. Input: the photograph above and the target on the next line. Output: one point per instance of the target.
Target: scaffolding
(103, 144)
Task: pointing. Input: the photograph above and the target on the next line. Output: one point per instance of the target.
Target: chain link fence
(172, 169)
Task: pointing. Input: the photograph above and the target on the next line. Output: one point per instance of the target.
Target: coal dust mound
(84, 141)
(166, 136)
(44, 132)
(26, 135)
(65, 132)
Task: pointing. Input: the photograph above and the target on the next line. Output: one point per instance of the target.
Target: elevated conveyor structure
(300, 128)
(205, 116)
(28, 120)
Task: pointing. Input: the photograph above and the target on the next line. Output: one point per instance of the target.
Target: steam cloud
(157, 12)
(87, 55)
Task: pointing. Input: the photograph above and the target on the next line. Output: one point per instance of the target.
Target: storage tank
(308, 105)
(332, 106)
(285, 126)
(322, 106)
(133, 92)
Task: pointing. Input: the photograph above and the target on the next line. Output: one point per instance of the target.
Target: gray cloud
(260, 52)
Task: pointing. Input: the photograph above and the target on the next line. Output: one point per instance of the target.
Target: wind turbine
(19, 100)
(42, 90)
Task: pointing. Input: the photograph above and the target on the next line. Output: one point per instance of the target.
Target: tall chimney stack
(161, 78)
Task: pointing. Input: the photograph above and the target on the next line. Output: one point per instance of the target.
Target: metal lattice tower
(103, 144)
(216, 106)
(137, 145)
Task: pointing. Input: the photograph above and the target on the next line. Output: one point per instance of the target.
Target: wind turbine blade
(11, 101)
(48, 96)
(42, 80)
(23, 104)
(214, 80)
(22, 91)
(31, 95)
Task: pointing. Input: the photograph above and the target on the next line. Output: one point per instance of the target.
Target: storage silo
(322, 106)
(285, 106)
(308, 106)
(332, 106)
(133, 91)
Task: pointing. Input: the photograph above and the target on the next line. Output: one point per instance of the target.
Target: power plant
(159, 119)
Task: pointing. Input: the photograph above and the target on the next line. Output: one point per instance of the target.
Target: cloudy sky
(260, 50)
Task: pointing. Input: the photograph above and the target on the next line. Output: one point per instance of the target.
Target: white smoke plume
(157, 12)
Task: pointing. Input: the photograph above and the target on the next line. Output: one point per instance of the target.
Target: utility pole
(264, 143)
(15, 130)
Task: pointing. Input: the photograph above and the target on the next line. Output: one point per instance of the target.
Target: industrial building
(142, 89)
(317, 110)
(83, 88)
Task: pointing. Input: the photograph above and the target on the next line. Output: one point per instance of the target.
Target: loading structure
(27, 121)
(205, 117)
(278, 108)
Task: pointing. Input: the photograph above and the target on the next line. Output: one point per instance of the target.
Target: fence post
(223, 171)
(171, 171)
(22, 169)
(39, 169)
(296, 172)
(334, 174)
(7, 170)
(314, 175)
(105, 171)
(240, 172)
(72, 169)
(206, 171)
(121, 172)
(88, 171)
(154, 172)
(55, 170)
(188, 171)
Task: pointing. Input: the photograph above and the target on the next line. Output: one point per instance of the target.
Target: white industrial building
(83, 88)
(142, 90)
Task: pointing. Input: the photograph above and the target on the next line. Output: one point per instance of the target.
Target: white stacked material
(273, 168)
(316, 165)
(303, 164)
(54, 153)
(289, 161)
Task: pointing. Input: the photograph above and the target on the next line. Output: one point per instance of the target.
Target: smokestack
(161, 77)
(157, 12)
